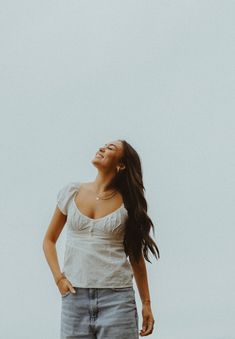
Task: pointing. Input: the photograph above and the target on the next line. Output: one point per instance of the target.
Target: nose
(101, 148)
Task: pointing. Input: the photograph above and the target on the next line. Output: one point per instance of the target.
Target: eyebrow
(111, 144)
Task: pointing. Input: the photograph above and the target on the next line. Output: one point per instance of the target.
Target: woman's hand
(148, 320)
(64, 286)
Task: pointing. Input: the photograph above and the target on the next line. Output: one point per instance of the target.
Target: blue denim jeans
(99, 313)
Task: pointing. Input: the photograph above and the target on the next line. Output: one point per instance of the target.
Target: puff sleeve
(64, 196)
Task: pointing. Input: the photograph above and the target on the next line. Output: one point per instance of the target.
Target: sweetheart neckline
(105, 216)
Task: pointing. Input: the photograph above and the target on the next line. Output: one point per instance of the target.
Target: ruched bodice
(94, 252)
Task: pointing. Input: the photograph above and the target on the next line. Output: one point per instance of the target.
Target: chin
(94, 161)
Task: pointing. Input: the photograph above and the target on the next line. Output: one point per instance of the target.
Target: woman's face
(108, 155)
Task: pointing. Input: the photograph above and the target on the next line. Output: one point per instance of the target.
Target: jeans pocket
(66, 294)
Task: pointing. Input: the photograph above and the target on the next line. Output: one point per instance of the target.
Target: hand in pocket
(65, 286)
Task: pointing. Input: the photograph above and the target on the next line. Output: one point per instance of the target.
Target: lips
(99, 155)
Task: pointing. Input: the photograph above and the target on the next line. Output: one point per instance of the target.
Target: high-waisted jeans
(99, 313)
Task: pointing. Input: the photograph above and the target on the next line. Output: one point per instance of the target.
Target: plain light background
(160, 74)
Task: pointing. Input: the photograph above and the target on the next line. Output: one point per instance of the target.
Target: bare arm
(49, 242)
(140, 274)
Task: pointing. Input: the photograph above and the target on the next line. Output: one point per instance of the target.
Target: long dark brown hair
(138, 224)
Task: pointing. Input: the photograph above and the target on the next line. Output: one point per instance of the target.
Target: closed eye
(113, 149)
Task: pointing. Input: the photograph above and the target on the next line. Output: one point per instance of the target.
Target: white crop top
(94, 252)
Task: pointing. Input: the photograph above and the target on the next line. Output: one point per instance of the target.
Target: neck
(103, 182)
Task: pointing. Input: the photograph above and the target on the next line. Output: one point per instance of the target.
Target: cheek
(111, 160)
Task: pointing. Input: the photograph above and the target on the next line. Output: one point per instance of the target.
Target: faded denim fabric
(99, 313)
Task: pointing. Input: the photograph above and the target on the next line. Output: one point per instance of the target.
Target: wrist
(60, 277)
(146, 302)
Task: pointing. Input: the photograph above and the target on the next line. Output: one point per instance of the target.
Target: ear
(121, 165)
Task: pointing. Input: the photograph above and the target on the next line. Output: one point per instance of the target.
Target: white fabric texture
(94, 252)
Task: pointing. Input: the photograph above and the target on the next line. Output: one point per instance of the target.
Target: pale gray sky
(160, 74)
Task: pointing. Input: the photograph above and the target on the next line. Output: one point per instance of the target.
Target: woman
(107, 222)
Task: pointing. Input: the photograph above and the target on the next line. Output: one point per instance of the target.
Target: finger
(144, 325)
(148, 329)
(72, 289)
